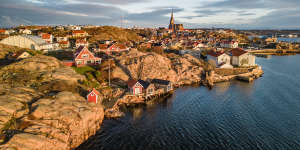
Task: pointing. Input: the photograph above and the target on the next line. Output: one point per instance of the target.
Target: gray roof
(36, 39)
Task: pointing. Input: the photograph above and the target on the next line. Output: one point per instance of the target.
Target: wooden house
(79, 33)
(116, 48)
(241, 58)
(64, 44)
(166, 85)
(218, 57)
(141, 87)
(84, 57)
(93, 96)
(81, 42)
(47, 37)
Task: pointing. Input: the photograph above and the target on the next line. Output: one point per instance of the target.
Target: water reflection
(222, 88)
(233, 115)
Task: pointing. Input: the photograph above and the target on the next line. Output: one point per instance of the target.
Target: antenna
(122, 20)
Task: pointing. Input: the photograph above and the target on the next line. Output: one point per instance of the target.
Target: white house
(63, 38)
(221, 59)
(25, 31)
(241, 58)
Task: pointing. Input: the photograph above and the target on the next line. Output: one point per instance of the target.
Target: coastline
(209, 81)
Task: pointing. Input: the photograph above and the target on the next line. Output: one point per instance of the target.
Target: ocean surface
(263, 115)
(290, 40)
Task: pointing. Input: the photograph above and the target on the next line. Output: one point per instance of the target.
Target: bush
(84, 70)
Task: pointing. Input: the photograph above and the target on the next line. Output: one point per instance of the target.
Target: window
(150, 91)
(137, 91)
(85, 56)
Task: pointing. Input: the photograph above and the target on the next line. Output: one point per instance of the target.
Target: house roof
(95, 91)
(64, 42)
(35, 39)
(145, 84)
(215, 54)
(131, 83)
(159, 81)
(2, 31)
(237, 52)
(79, 49)
(46, 36)
(78, 31)
(81, 41)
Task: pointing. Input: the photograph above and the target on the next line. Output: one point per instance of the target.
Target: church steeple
(172, 22)
(172, 18)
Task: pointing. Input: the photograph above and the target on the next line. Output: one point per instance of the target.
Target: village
(81, 47)
(149, 74)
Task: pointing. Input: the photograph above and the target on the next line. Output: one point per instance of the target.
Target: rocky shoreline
(43, 105)
(41, 108)
(210, 80)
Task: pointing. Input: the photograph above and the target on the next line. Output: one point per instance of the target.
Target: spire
(171, 25)
(172, 18)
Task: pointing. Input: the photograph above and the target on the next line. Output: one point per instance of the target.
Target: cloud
(229, 13)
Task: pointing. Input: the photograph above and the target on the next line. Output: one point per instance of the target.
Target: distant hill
(112, 33)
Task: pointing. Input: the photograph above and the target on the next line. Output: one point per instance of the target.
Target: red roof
(237, 52)
(121, 46)
(46, 36)
(78, 31)
(2, 31)
(229, 42)
(81, 41)
(131, 83)
(95, 91)
(64, 42)
(215, 54)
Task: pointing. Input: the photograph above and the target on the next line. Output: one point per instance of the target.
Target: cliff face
(40, 106)
(138, 65)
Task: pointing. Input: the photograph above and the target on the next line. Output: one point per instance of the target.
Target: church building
(174, 27)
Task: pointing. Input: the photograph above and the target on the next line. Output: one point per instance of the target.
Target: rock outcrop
(179, 70)
(41, 106)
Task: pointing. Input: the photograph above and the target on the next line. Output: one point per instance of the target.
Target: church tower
(172, 22)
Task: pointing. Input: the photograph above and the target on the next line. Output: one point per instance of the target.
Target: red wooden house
(112, 48)
(84, 57)
(93, 96)
(81, 42)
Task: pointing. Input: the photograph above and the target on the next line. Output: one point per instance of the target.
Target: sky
(236, 14)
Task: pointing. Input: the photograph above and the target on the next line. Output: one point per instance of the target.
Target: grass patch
(84, 70)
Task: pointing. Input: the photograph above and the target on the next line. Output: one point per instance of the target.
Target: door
(137, 90)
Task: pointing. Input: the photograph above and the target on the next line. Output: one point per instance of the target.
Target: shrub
(84, 70)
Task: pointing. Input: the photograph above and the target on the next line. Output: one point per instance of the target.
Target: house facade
(25, 31)
(64, 44)
(47, 37)
(166, 85)
(79, 33)
(81, 42)
(117, 48)
(218, 57)
(241, 58)
(84, 57)
(2, 31)
(93, 96)
(140, 87)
